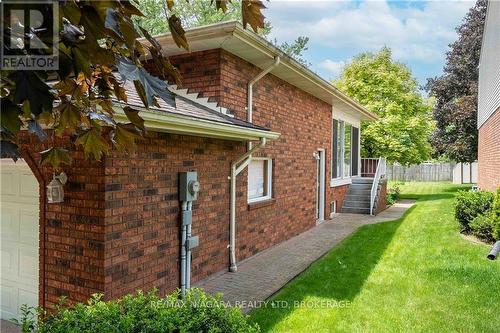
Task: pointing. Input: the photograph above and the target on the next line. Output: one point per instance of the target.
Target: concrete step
(355, 197)
(352, 210)
(361, 186)
(356, 204)
(362, 180)
(361, 192)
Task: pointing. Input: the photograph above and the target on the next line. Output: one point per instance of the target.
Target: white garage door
(19, 238)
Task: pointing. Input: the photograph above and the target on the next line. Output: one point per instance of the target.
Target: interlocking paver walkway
(262, 275)
(8, 327)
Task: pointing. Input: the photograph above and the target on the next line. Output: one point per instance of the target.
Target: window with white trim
(259, 179)
(345, 150)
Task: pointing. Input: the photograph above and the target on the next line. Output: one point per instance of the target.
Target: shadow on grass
(447, 191)
(338, 276)
(427, 197)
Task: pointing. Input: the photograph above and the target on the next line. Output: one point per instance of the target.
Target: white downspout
(242, 162)
(250, 90)
(236, 167)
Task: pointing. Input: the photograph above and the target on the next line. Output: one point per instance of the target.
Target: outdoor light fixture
(55, 189)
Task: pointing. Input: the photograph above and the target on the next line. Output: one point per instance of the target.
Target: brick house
(488, 121)
(118, 228)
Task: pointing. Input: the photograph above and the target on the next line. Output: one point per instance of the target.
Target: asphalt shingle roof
(186, 107)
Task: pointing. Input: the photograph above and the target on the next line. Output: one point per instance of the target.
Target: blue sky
(418, 32)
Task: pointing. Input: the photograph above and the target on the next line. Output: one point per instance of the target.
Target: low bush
(470, 204)
(146, 313)
(393, 194)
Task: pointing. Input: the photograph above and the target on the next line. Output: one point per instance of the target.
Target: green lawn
(415, 274)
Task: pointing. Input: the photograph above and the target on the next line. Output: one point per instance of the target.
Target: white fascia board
(166, 122)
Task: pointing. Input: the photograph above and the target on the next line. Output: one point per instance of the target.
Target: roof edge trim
(179, 124)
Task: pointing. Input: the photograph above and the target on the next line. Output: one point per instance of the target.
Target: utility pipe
(183, 252)
(236, 167)
(259, 76)
(188, 250)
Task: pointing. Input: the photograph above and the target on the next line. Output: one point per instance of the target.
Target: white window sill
(340, 182)
(254, 200)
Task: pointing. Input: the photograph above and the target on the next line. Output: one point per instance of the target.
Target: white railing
(379, 173)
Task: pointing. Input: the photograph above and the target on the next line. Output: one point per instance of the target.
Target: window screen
(355, 151)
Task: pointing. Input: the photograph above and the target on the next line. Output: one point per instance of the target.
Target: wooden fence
(425, 172)
(458, 173)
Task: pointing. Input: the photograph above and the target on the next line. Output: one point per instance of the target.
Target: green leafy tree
(200, 12)
(295, 49)
(194, 13)
(388, 89)
(455, 91)
(98, 51)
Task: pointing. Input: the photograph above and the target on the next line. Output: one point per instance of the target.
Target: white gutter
(160, 121)
(236, 167)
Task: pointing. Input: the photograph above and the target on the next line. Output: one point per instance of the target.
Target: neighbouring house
(118, 228)
(488, 118)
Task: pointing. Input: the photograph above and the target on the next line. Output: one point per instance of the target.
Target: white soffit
(232, 37)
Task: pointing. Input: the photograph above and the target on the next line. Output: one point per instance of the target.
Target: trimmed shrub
(147, 313)
(470, 204)
(482, 227)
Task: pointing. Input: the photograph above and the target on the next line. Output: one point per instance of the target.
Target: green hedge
(495, 216)
(469, 205)
(479, 213)
(145, 313)
(482, 227)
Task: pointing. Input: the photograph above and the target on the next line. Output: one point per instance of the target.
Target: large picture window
(345, 150)
(259, 179)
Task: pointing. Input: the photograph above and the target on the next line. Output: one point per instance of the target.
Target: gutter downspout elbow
(253, 81)
(242, 161)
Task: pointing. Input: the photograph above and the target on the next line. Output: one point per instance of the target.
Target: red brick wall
(72, 232)
(338, 194)
(489, 153)
(142, 211)
(304, 123)
(200, 72)
(142, 228)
